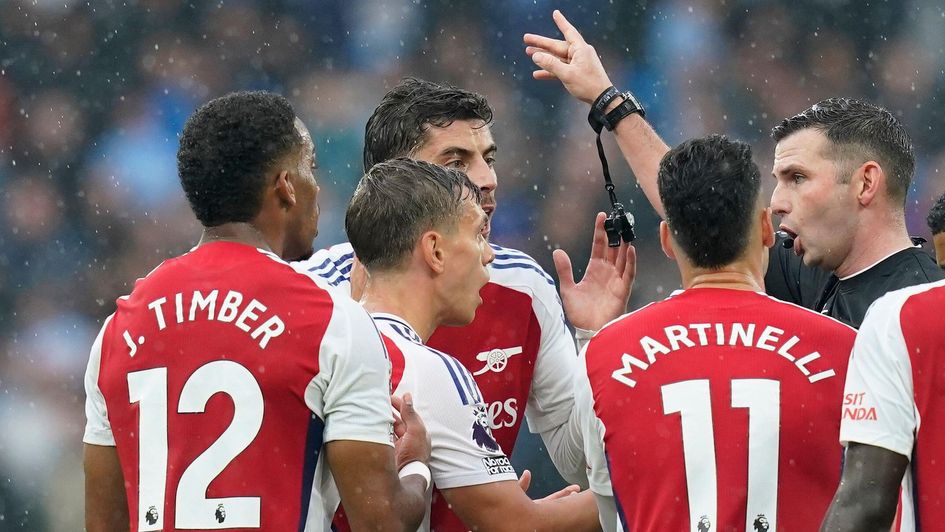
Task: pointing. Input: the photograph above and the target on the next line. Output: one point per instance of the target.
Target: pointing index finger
(570, 33)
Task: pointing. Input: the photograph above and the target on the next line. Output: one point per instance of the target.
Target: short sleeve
(551, 396)
(878, 404)
(354, 378)
(592, 432)
(464, 453)
(98, 430)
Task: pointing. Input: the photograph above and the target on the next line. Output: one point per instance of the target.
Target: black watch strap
(627, 107)
(596, 118)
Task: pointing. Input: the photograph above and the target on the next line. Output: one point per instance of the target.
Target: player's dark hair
(227, 147)
(936, 217)
(397, 201)
(709, 187)
(399, 124)
(859, 131)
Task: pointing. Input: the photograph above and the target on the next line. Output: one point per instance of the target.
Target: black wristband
(627, 107)
(596, 117)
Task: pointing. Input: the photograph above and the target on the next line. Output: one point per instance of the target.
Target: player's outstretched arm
(106, 508)
(373, 495)
(602, 295)
(869, 490)
(576, 65)
(502, 506)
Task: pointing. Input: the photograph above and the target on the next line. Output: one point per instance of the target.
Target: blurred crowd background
(94, 94)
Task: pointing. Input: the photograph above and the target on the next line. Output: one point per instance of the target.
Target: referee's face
(815, 207)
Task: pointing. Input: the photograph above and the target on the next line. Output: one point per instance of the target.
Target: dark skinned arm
(106, 507)
(869, 490)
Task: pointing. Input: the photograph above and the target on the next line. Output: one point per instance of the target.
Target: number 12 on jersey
(193, 510)
(762, 398)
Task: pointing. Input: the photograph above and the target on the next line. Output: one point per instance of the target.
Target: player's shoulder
(515, 268)
(902, 294)
(889, 305)
(430, 367)
(333, 264)
(256, 266)
(619, 326)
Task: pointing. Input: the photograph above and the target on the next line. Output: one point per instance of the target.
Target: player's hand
(569, 490)
(571, 61)
(525, 481)
(413, 442)
(603, 293)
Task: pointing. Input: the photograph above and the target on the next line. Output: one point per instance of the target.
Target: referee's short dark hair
(396, 202)
(936, 217)
(227, 147)
(710, 188)
(399, 123)
(859, 131)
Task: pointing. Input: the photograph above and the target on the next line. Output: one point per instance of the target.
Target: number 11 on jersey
(692, 400)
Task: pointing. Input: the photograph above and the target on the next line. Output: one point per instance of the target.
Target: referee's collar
(871, 266)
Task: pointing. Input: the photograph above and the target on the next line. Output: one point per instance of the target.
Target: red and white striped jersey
(895, 395)
(715, 409)
(220, 378)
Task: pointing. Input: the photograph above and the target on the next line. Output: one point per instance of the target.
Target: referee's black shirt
(846, 300)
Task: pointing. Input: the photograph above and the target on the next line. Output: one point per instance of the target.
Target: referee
(843, 168)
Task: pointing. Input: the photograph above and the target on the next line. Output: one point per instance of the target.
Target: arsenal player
(230, 390)
(518, 347)
(418, 229)
(717, 408)
(892, 415)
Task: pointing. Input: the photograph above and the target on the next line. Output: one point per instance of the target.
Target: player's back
(720, 411)
(214, 373)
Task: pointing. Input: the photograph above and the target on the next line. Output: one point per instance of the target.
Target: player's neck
(739, 275)
(394, 293)
(239, 232)
(873, 244)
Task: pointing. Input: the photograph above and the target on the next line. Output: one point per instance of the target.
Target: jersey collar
(397, 325)
(871, 266)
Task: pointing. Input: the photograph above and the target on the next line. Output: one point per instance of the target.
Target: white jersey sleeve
(98, 430)
(592, 430)
(332, 265)
(352, 389)
(550, 399)
(464, 453)
(878, 403)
